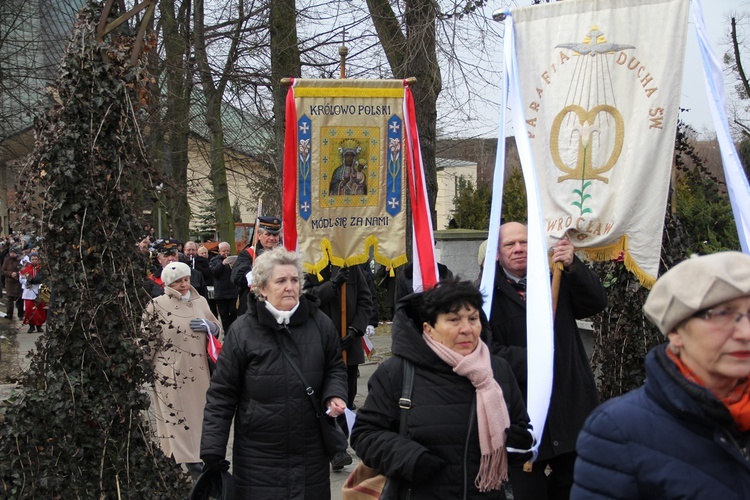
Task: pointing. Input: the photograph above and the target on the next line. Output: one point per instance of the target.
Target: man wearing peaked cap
(269, 224)
(165, 247)
(269, 229)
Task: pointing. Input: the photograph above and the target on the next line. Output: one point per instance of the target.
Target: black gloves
(428, 465)
(518, 439)
(215, 463)
(351, 336)
(340, 277)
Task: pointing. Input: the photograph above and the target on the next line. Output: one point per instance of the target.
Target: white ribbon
(539, 320)
(737, 184)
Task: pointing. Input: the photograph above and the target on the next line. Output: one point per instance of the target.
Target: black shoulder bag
(334, 439)
(366, 479)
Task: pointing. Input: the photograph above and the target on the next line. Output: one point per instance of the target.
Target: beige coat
(182, 375)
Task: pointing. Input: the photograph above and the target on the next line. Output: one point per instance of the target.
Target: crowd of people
(23, 282)
(288, 369)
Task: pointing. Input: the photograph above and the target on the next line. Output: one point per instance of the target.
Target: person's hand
(563, 252)
(204, 325)
(335, 406)
(348, 340)
(427, 466)
(518, 442)
(340, 277)
(215, 463)
(370, 331)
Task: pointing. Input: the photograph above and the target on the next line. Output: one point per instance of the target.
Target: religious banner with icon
(351, 149)
(600, 84)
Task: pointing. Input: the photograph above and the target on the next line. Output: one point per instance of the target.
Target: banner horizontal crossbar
(370, 92)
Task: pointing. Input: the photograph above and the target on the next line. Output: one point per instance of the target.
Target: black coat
(405, 279)
(442, 419)
(668, 439)
(359, 305)
(242, 266)
(224, 289)
(574, 392)
(202, 265)
(278, 450)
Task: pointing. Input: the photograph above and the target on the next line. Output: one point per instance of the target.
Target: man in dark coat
(359, 305)
(405, 279)
(225, 293)
(201, 264)
(268, 229)
(574, 393)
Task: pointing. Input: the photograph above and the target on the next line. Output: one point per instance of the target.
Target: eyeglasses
(722, 317)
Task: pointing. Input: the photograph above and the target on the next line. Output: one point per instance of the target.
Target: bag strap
(407, 385)
(308, 388)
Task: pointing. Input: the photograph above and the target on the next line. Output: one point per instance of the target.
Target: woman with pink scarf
(467, 418)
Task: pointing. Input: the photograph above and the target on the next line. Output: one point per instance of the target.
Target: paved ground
(27, 344)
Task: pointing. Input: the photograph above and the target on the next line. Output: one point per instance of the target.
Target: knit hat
(173, 272)
(695, 284)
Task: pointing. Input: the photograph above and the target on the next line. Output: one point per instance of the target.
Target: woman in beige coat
(181, 322)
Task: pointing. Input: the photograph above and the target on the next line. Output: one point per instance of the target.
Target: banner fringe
(612, 252)
(371, 242)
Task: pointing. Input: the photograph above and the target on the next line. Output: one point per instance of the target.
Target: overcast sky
(716, 14)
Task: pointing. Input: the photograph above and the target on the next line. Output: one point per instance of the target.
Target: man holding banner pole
(574, 393)
(356, 309)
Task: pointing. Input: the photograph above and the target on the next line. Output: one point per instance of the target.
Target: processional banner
(348, 147)
(600, 84)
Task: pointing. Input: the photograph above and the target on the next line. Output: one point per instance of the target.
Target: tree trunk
(285, 62)
(214, 93)
(176, 124)
(413, 54)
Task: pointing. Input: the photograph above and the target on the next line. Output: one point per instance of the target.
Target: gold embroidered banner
(601, 90)
(348, 192)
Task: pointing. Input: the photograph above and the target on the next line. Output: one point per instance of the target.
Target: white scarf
(282, 317)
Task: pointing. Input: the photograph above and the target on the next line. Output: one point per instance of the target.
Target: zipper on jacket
(472, 415)
(743, 451)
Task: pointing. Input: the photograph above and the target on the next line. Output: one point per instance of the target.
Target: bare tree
(33, 36)
(733, 58)
(177, 35)
(213, 85)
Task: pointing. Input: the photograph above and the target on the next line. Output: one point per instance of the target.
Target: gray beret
(695, 284)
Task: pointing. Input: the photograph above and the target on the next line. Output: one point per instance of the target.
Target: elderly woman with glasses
(686, 432)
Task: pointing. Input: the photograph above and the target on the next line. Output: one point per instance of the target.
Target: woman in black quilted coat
(456, 445)
(278, 450)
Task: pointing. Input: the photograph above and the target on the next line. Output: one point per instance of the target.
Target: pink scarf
(492, 413)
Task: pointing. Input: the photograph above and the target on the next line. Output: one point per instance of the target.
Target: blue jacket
(668, 439)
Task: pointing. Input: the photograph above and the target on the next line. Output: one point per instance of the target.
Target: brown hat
(695, 284)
